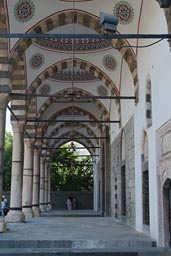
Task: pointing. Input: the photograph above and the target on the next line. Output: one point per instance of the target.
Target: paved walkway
(87, 232)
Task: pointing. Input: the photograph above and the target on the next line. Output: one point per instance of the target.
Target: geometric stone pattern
(148, 104)
(116, 163)
(81, 75)
(101, 90)
(24, 10)
(109, 62)
(124, 11)
(79, 45)
(36, 61)
(86, 20)
(45, 89)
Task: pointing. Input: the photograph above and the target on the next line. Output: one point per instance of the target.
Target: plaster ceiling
(50, 65)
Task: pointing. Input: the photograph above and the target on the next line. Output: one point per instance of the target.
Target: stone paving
(89, 232)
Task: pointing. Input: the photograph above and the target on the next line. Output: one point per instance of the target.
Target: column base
(42, 208)
(28, 213)
(49, 207)
(15, 216)
(3, 225)
(36, 212)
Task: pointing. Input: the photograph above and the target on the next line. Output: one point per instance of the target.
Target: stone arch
(167, 11)
(67, 63)
(41, 128)
(148, 98)
(3, 29)
(56, 130)
(84, 18)
(99, 74)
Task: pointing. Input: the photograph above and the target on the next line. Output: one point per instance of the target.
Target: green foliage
(7, 161)
(69, 172)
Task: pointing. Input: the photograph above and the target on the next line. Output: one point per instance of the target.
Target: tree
(7, 161)
(69, 172)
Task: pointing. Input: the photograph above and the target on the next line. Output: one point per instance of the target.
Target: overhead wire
(136, 46)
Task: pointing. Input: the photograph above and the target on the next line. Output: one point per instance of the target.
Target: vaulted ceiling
(61, 75)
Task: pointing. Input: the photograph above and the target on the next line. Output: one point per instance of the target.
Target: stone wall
(116, 164)
(58, 198)
(163, 142)
(84, 199)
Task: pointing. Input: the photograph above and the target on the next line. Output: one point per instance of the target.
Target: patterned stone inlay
(124, 11)
(76, 76)
(109, 62)
(101, 90)
(36, 61)
(45, 89)
(80, 44)
(24, 10)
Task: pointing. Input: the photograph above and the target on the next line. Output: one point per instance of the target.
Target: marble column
(3, 105)
(15, 214)
(46, 185)
(49, 189)
(42, 184)
(96, 188)
(28, 178)
(36, 183)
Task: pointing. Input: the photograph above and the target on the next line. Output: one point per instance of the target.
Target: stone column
(15, 214)
(28, 178)
(42, 184)
(4, 98)
(46, 185)
(96, 188)
(49, 189)
(36, 183)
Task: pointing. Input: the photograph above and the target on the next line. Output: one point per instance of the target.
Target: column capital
(29, 141)
(37, 151)
(18, 126)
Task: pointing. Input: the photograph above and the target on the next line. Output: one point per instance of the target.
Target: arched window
(123, 176)
(148, 104)
(145, 182)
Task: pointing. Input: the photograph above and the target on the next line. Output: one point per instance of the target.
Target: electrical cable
(135, 46)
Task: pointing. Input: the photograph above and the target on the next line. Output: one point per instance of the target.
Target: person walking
(3, 205)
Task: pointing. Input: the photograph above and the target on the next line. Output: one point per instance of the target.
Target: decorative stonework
(80, 44)
(163, 145)
(124, 11)
(45, 89)
(101, 90)
(36, 61)
(76, 76)
(24, 10)
(109, 62)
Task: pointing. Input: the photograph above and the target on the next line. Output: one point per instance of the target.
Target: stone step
(81, 252)
(81, 244)
(73, 213)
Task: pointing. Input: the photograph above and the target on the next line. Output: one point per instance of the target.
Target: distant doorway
(167, 211)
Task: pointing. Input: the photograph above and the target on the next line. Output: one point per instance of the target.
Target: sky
(8, 123)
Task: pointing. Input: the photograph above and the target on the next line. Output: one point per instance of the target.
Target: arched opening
(145, 182)
(123, 176)
(167, 211)
(72, 168)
